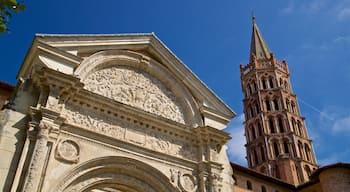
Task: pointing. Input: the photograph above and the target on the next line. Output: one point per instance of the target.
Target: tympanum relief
(135, 88)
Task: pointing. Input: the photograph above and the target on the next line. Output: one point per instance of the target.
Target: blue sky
(212, 38)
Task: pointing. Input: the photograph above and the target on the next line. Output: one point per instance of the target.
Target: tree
(7, 8)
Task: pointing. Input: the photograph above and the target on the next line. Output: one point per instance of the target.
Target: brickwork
(5, 92)
(277, 141)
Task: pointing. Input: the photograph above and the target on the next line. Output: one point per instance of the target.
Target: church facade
(121, 113)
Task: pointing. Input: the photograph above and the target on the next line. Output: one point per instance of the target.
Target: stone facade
(112, 113)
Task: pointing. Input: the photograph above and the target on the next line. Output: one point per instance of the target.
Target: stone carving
(53, 104)
(38, 158)
(68, 150)
(135, 88)
(122, 130)
(187, 182)
(95, 122)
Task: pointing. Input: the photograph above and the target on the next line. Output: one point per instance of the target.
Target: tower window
(262, 153)
(255, 87)
(280, 125)
(300, 147)
(285, 147)
(285, 85)
(257, 108)
(263, 188)
(300, 128)
(253, 132)
(271, 83)
(256, 160)
(275, 149)
(259, 129)
(281, 82)
(272, 126)
(249, 185)
(275, 103)
(293, 125)
(264, 84)
(307, 152)
(268, 106)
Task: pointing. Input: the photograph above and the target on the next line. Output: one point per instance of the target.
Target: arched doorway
(114, 174)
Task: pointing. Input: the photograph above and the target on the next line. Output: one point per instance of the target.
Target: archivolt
(118, 173)
(119, 58)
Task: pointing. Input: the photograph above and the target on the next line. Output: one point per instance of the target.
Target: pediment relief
(135, 88)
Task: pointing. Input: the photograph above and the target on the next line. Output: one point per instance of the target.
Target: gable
(182, 97)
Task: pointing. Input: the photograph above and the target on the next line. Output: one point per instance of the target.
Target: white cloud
(344, 14)
(236, 150)
(342, 125)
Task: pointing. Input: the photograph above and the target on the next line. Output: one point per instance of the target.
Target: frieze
(128, 132)
(137, 89)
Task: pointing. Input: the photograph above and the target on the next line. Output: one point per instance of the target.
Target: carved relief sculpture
(68, 150)
(135, 88)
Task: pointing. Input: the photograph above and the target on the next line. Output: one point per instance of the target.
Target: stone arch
(124, 58)
(119, 173)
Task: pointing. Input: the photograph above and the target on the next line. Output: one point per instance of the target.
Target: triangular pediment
(158, 72)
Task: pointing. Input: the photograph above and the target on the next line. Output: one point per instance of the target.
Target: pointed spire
(258, 47)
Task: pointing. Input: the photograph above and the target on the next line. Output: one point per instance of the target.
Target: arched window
(300, 147)
(275, 149)
(262, 152)
(307, 152)
(263, 82)
(281, 82)
(249, 185)
(272, 126)
(255, 87)
(271, 83)
(293, 107)
(251, 88)
(285, 147)
(253, 132)
(280, 125)
(275, 103)
(259, 129)
(285, 85)
(256, 160)
(268, 106)
(293, 126)
(300, 128)
(263, 188)
(251, 111)
(287, 104)
(257, 108)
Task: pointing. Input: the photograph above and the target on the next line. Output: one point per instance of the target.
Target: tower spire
(258, 47)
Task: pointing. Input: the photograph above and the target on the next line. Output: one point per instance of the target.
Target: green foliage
(7, 8)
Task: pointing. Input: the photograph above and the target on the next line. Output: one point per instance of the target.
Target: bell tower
(277, 141)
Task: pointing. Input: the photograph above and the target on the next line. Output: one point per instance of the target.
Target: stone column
(36, 167)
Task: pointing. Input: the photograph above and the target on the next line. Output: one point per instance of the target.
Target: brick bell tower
(277, 141)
